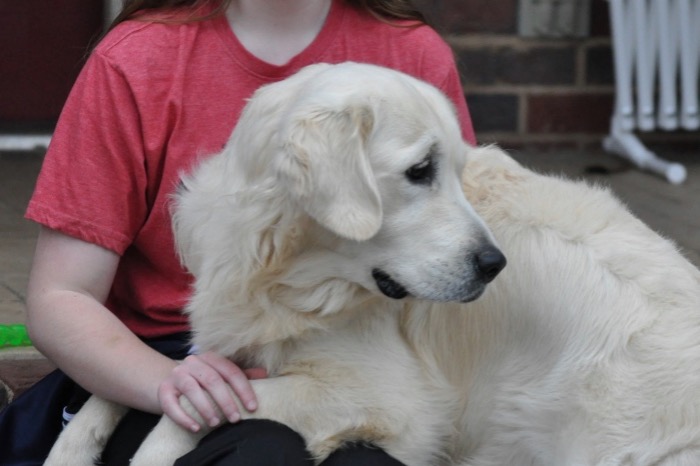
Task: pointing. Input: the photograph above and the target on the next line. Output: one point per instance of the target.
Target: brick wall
(43, 47)
(533, 92)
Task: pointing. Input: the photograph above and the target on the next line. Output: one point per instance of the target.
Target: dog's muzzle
(487, 264)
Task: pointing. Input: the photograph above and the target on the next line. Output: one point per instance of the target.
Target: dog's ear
(326, 164)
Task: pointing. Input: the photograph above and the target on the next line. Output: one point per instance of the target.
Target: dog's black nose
(490, 261)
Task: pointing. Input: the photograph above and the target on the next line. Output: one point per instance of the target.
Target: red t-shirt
(152, 99)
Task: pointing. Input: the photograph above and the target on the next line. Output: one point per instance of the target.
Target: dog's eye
(422, 172)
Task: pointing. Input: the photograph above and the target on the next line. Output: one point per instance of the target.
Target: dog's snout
(489, 262)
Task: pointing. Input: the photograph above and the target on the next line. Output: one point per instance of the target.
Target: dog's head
(372, 159)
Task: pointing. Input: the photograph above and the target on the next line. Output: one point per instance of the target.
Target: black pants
(254, 442)
(267, 443)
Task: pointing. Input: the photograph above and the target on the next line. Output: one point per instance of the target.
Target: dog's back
(586, 349)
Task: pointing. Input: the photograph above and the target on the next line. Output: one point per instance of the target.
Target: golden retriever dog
(337, 195)
(331, 242)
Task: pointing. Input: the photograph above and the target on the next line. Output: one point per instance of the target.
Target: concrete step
(20, 368)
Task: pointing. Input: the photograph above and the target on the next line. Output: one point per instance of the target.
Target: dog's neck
(258, 329)
(276, 294)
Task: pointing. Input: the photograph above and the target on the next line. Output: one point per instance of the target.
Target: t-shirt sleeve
(92, 184)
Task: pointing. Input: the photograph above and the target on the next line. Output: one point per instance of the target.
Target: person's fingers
(169, 399)
(237, 379)
(215, 380)
(195, 379)
(208, 381)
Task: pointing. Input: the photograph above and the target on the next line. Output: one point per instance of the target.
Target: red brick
(599, 65)
(493, 112)
(600, 18)
(510, 65)
(462, 16)
(569, 113)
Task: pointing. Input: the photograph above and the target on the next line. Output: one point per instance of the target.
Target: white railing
(24, 142)
(656, 45)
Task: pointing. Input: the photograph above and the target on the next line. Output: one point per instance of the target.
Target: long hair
(385, 10)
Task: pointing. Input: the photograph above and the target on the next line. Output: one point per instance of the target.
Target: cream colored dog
(337, 195)
(339, 190)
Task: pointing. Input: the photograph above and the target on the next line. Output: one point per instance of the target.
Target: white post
(634, 49)
(645, 46)
(622, 53)
(688, 16)
(668, 63)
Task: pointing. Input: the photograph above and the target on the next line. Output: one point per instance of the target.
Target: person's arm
(69, 282)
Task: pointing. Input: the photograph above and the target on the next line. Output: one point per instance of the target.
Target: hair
(385, 10)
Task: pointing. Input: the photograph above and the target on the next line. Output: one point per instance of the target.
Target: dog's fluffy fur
(338, 195)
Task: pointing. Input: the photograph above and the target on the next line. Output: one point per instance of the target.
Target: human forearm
(96, 350)
(69, 281)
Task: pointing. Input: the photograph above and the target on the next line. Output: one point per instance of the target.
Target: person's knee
(360, 453)
(267, 435)
(254, 442)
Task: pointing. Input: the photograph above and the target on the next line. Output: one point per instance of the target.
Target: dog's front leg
(324, 419)
(168, 441)
(82, 441)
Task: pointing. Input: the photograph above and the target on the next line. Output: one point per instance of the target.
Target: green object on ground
(14, 335)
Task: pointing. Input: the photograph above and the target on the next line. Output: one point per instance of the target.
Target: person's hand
(213, 375)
